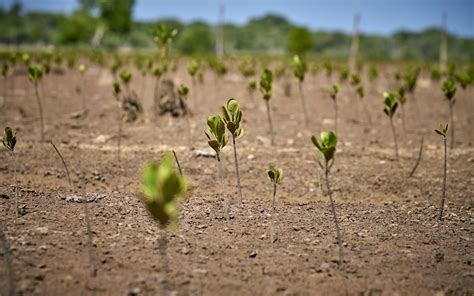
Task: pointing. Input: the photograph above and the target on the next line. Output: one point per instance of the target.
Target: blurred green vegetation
(110, 23)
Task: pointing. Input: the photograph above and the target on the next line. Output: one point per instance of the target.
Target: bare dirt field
(393, 242)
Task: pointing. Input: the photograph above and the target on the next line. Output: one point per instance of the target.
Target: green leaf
(315, 142)
(9, 138)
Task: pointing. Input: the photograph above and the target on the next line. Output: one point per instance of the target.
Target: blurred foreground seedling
(161, 186)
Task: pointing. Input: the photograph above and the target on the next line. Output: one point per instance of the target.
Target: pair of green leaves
(35, 73)
(275, 174)
(217, 130)
(9, 138)
(116, 88)
(334, 91)
(390, 104)
(126, 76)
(355, 79)
(360, 91)
(266, 80)
(401, 95)
(299, 68)
(193, 68)
(449, 90)
(231, 115)
(82, 69)
(5, 69)
(183, 91)
(327, 146)
(161, 185)
(442, 129)
(373, 73)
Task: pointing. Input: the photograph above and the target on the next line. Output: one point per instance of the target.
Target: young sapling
(276, 176)
(9, 141)
(217, 140)
(299, 71)
(442, 131)
(193, 69)
(449, 90)
(34, 75)
(333, 94)
(116, 92)
(161, 185)
(126, 77)
(266, 89)
(327, 149)
(389, 107)
(163, 37)
(183, 97)
(82, 71)
(231, 115)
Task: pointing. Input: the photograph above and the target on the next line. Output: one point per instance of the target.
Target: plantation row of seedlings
(162, 185)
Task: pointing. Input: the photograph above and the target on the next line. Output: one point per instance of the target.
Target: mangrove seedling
(163, 37)
(299, 71)
(217, 140)
(161, 186)
(266, 89)
(126, 77)
(116, 91)
(390, 105)
(193, 69)
(276, 176)
(373, 73)
(333, 94)
(327, 149)
(442, 131)
(82, 71)
(361, 93)
(183, 96)
(9, 141)
(328, 69)
(344, 75)
(34, 75)
(64, 163)
(231, 115)
(449, 90)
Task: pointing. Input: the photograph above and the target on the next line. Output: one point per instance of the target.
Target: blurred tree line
(109, 24)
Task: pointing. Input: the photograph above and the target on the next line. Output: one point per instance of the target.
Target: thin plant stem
(272, 222)
(335, 115)
(420, 152)
(8, 264)
(272, 136)
(303, 102)
(221, 176)
(93, 271)
(16, 185)
(451, 124)
(239, 191)
(274, 195)
(40, 108)
(64, 164)
(444, 179)
(177, 162)
(333, 210)
(394, 138)
(403, 118)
